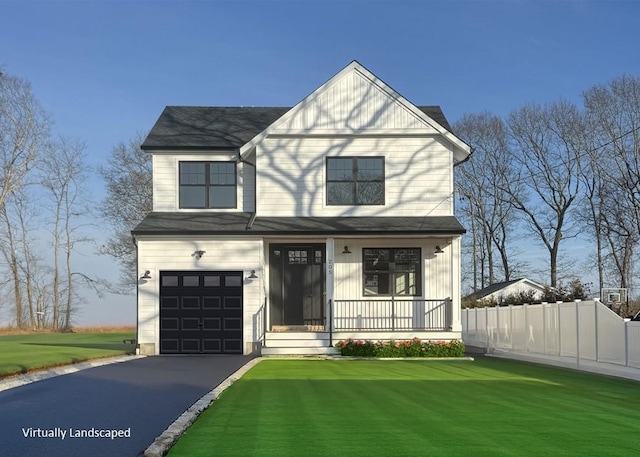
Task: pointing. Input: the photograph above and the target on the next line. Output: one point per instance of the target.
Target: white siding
(161, 254)
(352, 102)
(436, 269)
(292, 182)
(166, 180)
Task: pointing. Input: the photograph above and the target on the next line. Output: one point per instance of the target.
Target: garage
(201, 312)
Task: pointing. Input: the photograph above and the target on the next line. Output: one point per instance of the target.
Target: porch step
(299, 351)
(298, 343)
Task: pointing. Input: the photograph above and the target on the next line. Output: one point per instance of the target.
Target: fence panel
(536, 331)
(633, 343)
(586, 326)
(568, 330)
(611, 339)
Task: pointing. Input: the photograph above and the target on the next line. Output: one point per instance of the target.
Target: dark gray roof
(161, 223)
(215, 127)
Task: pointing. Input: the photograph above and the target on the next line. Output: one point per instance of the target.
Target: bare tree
(63, 174)
(480, 182)
(23, 128)
(129, 199)
(613, 112)
(546, 144)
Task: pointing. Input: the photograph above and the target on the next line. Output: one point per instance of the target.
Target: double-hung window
(208, 185)
(392, 272)
(355, 180)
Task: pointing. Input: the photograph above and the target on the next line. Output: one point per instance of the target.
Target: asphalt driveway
(128, 403)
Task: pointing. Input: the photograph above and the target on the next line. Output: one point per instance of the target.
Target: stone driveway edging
(39, 375)
(168, 438)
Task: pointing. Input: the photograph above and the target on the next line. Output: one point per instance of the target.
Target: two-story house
(284, 230)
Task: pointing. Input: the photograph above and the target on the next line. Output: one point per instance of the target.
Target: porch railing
(391, 315)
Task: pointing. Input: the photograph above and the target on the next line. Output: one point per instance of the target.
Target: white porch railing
(391, 315)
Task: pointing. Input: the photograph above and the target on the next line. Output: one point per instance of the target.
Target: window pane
(370, 193)
(169, 281)
(222, 197)
(212, 281)
(340, 193)
(192, 196)
(233, 281)
(192, 173)
(376, 284)
(407, 259)
(222, 173)
(370, 169)
(376, 260)
(339, 169)
(405, 283)
(191, 281)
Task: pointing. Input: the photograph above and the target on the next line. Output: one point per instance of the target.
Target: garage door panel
(212, 345)
(191, 345)
(211, 302)
(211, 323)
(231, 345)
(168, 346)
(190, 302)
(201, 312)
(170, 323)
(169, 302)
(232, 302)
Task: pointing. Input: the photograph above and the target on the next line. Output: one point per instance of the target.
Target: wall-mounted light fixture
(198, 254)
(253, 275)
(146, 275)
(346, 250)
(438, 250)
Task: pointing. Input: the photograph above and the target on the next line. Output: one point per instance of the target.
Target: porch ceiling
(182, 223)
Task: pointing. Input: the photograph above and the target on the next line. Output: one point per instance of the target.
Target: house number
(330, 266)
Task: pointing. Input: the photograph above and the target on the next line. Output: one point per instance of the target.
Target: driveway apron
(137, 399)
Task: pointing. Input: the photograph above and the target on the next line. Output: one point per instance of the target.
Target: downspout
(255, 193)
(137, 347)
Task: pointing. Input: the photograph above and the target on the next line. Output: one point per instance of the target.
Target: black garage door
(201, 312)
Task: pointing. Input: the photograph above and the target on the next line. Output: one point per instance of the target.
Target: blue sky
(106, 69)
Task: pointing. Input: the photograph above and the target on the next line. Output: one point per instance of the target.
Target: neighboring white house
(501, 290)
(284, 230)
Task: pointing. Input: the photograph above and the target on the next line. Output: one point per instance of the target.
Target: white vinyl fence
(581, 331)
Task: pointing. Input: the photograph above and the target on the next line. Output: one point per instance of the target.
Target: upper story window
(394, 272)
(355, 180)
(208, 185)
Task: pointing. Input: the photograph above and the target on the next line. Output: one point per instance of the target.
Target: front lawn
(488, 407)
(22, 353)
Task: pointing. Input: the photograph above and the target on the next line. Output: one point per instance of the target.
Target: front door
(296, 284)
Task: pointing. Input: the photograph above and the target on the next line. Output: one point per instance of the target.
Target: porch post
(456, 289)
(329, 281)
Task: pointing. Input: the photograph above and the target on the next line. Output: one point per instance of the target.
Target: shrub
(405, 348)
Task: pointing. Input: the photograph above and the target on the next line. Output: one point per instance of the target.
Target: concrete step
(287, 343)
(299, 351)
(316, 336)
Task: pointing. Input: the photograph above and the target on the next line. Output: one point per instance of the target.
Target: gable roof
(219, 127)
(496, 287)
(203, 223)
(318, 103)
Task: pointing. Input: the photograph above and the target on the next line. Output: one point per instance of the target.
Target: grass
(489, 407)
(26, 352)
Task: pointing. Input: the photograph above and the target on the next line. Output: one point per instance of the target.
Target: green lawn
(488, 407)
(22, 353)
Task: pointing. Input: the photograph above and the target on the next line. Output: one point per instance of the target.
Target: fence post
(512, 329)
(595, 309)
(544, 329)
(330, 323)
(486, 325)
(526, 327)
(393, 314)
(626, 344)
(577, 335)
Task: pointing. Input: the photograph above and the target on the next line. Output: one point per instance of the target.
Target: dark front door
(201, 312)
(297, 284)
